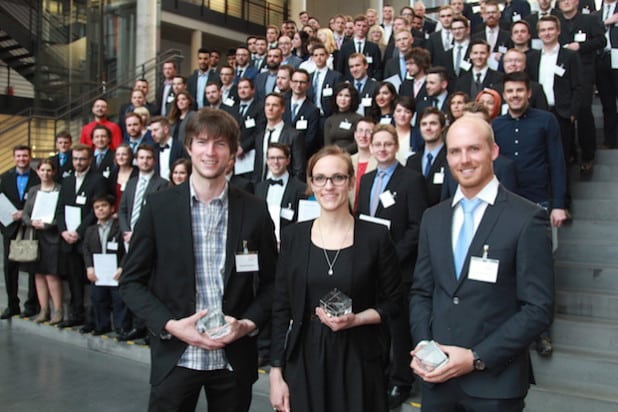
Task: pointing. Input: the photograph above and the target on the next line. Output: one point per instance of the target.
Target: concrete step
(586, 276)
(603, 209)
(600, 251)
(585, 230)
(594, 190)
(603, 173)
(549, 398)
(584, 333)
(606, 157)
(585, 303)
(578, 371)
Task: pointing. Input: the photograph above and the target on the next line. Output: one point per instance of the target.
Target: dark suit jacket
(241, 183)
(158, 280)
(178, 151)
(594, 29)
(568, 89)
(155, 184)
(62, 171)
(517, 7)
(94, 184)
(492, 80)
(533, 19)
(107, 164)
(435, 47)
(255, 111)
(192, 84)
(294, 191)
(260, 86)
(249, 73)
(408, 189)
(375, 284)
(496, 320)
(439, 165)
(371, 49)
(447, 62)
(292, 138)
(331, 79)
(311, 114)
(392, 68)
(8, 186)
(504, 37)
(92, 243)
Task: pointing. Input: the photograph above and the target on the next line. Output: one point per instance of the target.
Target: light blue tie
(466, 233)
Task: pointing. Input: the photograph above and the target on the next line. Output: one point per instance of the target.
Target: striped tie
(137, 202)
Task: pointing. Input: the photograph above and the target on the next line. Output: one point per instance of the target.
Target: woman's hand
(336, 323)
(279, 392)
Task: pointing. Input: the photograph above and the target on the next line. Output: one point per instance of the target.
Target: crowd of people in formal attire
(411, 170)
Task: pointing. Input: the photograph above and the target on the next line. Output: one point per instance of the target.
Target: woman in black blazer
(322, 362)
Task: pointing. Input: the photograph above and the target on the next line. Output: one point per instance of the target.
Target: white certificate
(105, 266)
(614, 58)
(308, 210)
(72, 217)
(6, 210)
(245, 164)
(45, 206)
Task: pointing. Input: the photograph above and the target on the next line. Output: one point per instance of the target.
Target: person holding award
(337, 283)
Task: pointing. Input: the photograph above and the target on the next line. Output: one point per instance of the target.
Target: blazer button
(455, 300)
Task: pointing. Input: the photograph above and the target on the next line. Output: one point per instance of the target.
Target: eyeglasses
(300, 81)
(337, 180)
(386, 145)
(276, 158)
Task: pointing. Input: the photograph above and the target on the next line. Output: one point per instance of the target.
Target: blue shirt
(22, 182)
(388, 173)
(533, 142)
(434, 154)
(202, 79)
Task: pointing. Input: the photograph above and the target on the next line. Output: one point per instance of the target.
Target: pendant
(330, 272)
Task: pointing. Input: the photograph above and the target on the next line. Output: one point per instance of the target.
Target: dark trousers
(586, 130)
(11, 282)
(449, 397)
(607, 85)
(180, 390)
(400, 373)
(73, 269)
(106, 301)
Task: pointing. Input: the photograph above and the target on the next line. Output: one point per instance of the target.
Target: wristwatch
(478, 363)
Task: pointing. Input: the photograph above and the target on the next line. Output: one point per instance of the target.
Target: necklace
(328, 262)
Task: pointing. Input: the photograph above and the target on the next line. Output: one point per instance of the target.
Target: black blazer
(439, 165)
(391, 68)
(435, 47)
(293, 193)
(331, 79)
(158, 280)
(591, 25)
(504, 36)
(375, 284)
(497, 320)
(62, 171)
(213, 76)
(568, 89)
(292, 138)
(125, 209)
(311, 114)
(260, 86)
(254, 111)
(241, 183)
(8, 186)
(107, 164)
(178, 151)
(447, 62)
(92, 243)
(492, 80)
(370, 49)
(408, 189)
(94, 184)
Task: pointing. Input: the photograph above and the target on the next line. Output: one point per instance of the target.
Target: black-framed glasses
(336, 179)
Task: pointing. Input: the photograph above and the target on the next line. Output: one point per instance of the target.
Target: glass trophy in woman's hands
(336, 303)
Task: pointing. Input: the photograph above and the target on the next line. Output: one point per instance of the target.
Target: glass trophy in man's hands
(430, 356)
(213, 324)
(336, 303)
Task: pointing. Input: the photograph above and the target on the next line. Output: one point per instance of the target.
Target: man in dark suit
(277, 131)
(441, 41)
(266, 81)
(14, 185)
(516, 61)
(418, 62)
(481, 76)
(222, 261)
(76, 196)
(103, 161)
(396, 66)
(396, 197)
(323, 81)
(584, 34)
(244, 69)
(63, 160)
(165, 94)
(167, 149)
(499, 39)
(483, 320)
(228, 87)
(515, 10)
(196, 83)
(607, 76)
(436, 85)
(301, 114)
(362, 82)
(360, 44)
(545, 9)
(457, 59)
(135, 137)
(431, 160)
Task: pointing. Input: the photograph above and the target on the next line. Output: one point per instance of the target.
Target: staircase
(582, 374)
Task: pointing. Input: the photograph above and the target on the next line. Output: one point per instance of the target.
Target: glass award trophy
(336, 303)
(213, 324)
(430, 356)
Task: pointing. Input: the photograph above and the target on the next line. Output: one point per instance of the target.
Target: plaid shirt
(209, 222)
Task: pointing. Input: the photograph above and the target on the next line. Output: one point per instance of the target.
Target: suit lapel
(234, 223)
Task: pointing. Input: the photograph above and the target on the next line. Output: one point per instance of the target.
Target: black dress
(329, 372)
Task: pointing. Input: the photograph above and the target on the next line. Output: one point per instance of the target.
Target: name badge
(586, 10)
(426, 36)
(247, 262)
(366, 102)
(26, 196)
(466, 65)
(345, 125)
(80, 200)
(249, 123)
(483, 269)
(505, 109)
(66, 173)
(502, 49)
(369, 59)
(170, 98)
(106, 173)
(327, 91)
(387, 199)
(559, 70)
(438, 177)
(580, 37)
(287, 213)
(113, 246)
(301, 124)
(229, 102)
(385, 120)
(516, 17)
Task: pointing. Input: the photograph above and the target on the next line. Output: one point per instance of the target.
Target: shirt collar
(389, 170)
(284, 177)
(105, 224)
(487, 194)
(223, 196)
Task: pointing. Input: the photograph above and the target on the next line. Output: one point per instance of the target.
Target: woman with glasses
(327, 358)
